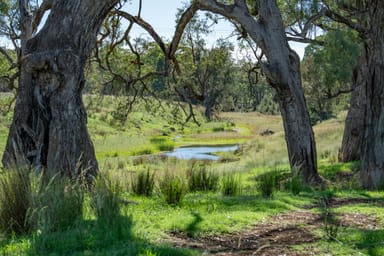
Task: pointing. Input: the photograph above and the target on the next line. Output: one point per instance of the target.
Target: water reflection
(200, 152)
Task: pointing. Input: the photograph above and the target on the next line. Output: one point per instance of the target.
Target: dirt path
(275, 236)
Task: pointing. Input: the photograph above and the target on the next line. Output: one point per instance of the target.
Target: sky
(161, 14)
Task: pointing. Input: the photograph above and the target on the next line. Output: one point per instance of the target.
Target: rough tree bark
(282, 70)
(372, 154)
(354, 124)
(49, 130)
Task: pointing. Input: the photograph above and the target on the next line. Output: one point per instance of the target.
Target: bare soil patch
(274, 236)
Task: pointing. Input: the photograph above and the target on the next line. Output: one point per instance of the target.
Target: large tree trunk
(372, 154)
(282, 70)
(354, 123)
(49, 130)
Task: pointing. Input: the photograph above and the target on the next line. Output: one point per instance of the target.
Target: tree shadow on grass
(90, 237)
(192, 228)
(370, 241)
(251, 203)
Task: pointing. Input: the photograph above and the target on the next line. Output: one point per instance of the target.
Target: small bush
(173, 189)
(15, 200)
(230, 185)
(200, 179)
(143, 183)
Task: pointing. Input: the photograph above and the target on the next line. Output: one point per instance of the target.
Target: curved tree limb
(39, 13)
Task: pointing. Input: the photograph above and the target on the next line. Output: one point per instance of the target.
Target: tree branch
(145, 25)
(39, 13)
(304, 40)
(342, 19)
(8, 57)
(339, 92)
(183, 22)
(311, 21)
(239, 12)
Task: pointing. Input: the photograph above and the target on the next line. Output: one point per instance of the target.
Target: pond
(200, 152)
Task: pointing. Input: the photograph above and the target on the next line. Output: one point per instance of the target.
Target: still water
(200, 152)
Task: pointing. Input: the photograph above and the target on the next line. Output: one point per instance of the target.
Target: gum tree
(364, 124)
(282, 69)
(48, 129)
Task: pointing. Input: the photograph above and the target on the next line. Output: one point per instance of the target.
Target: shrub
(200, 179)
(230, 185)
(15, 200)
(143, 183)
(173, 189)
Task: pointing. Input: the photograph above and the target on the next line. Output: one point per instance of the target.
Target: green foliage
(173, 188)
(143, 183)
(207, 75)
(15, 201)
(327, 71)
(268, 104)
(201, 179)
(230, 185)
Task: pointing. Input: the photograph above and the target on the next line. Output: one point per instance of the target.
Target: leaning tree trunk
(49, 129)
(372, 154)
(282, 70)
(354, 123)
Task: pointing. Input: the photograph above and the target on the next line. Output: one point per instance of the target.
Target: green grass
(143, 224)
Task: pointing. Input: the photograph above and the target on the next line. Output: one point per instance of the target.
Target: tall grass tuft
(112, 224)
(163, 143)
(331, 225)
(57, 203)
(230, 185)
(267, 183)
(173, 189)
(105, 199)
(295, 182)
(143, 183)
(15, 200)
(201, 179)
